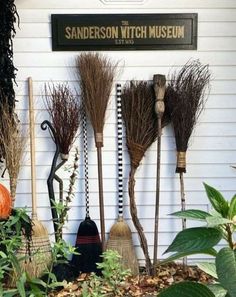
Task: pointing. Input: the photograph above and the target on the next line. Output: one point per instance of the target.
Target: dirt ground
(144, 285)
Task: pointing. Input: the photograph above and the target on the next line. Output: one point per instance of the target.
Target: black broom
(120, 237)
(88, 243)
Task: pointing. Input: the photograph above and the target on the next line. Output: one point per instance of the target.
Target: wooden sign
(80, 32)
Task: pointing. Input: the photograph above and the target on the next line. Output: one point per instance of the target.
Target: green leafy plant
(220, 224)
(112, 280)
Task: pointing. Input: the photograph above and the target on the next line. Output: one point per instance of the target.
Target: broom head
(89, 247)
(120, 240)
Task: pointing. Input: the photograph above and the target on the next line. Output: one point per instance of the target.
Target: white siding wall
(213, 145)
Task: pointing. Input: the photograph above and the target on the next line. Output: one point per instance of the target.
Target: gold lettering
(96, 32)
(68, 33)
(152, 32)
(73, 33)
(123, 31)
(169, 31)
(180, 31)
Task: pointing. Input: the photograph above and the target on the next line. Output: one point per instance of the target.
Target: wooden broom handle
(32, 146)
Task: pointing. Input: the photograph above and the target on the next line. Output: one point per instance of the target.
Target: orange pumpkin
(5, 203)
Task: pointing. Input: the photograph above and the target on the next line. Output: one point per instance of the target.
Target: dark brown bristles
(64, 108)
(184, 101)
(138, 112)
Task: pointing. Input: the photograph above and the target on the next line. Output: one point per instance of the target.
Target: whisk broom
(96, 79)
(120, 237)
(184, 101)
(41, 258)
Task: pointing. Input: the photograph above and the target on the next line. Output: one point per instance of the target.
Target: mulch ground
(144, 285)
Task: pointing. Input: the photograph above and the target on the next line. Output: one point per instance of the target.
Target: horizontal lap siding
(212, 148)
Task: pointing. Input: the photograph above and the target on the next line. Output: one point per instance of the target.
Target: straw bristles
(38, 229)
(64, 109)
(37, 262)
(120, 240)
(185, 99)
(13, 141)
(120, 230)
(96, 74)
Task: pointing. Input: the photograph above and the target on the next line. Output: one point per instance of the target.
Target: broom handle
(120, 155)
(159, 87)
(32, 147)
(101, 200)
(86, 183)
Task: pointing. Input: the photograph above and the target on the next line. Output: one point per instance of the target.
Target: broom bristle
(120, 230)
(184, 101)
(96, 73)
(126, 250)
(37, 262)
(38, 229)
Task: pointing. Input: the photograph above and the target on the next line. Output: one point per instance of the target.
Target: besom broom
(40, 257)
(140, 121)
(185, 99)
(120, 237)
(96, 74)
(88, 243)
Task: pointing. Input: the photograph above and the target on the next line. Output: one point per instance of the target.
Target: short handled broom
(120, 237)
(88, 242)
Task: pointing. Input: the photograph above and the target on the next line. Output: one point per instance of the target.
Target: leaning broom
(185, 99)
(141, 131)
(96, 75)
(39, 259)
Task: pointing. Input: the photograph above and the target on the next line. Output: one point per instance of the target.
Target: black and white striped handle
(86, 182)
(119, 148)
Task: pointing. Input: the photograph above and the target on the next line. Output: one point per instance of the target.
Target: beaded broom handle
(119, 147)
(86, 183)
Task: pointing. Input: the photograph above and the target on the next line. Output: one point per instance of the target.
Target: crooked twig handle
(32, 147)
(159, 88)
(120, 153)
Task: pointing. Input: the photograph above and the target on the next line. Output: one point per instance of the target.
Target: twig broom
(141, 131)
(184, 101)
(96, 79)
(120, 237)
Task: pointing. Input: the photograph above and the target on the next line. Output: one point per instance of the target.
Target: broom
(88, 243)
(96, 79)
(64, 110)
(41, 258)
(120, 238)
(159, 82)
(184, 101)
(141, 131)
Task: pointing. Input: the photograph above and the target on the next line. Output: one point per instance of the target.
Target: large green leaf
(217, 290)
(209, 268)
(187, 289)
(232, 208)
(226, 270)
(217, 200)
(195, 239)
(211, 252)
(193, 214)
